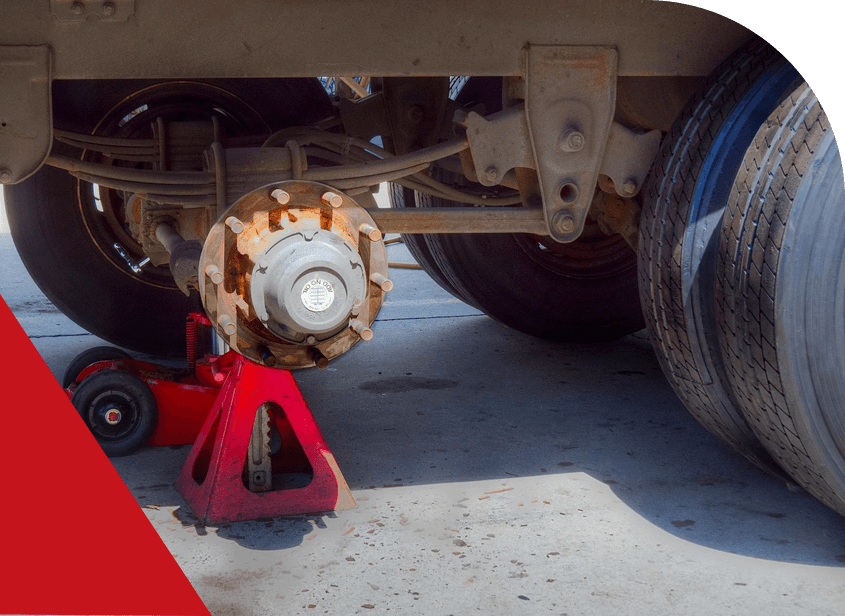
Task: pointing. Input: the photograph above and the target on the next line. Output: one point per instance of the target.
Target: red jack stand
(234, 471)
(212, 479)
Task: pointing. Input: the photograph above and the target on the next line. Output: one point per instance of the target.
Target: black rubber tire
(685, 197)
(585, 291)
(110, 389)
(51, 221)
(88, 357)
(781, 295)
(401, 197)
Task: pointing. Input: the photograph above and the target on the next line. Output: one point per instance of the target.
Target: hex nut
(571, 140)
(492, 174)
(629, 188)
(6, 176)
(563, 223)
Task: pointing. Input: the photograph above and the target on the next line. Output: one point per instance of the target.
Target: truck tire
(781, 295)
(685, 197)
(67, 246)
(585, 291)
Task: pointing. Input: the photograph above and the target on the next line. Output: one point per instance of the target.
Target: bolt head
(77, 8)
(571, 140)
(5, 176)
(629, 188)
(563, 223)
(108, 8)
(492, 174)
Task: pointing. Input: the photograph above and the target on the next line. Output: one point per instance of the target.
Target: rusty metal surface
(26, 115)
(246, 231)
(266, 38)
(461, 220)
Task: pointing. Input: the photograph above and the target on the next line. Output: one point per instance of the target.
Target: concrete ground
(494, 474)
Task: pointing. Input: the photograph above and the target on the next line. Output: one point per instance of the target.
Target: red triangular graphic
(75, 541)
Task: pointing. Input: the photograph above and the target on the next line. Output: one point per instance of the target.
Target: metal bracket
(75, 11)
(26, 120)
(570, 93)
(627, 158)
(499, 143)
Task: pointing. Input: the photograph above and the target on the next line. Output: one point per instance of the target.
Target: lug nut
(5, 176)
(373, 234)
(282, 196)
(383, 283)
(235, 225)
(332, 199)
(214, 273)
(492, 174)
(228, 325)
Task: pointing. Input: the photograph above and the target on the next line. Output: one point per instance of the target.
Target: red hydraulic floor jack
(257, 451)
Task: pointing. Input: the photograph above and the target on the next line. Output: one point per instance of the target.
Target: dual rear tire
(742, 270)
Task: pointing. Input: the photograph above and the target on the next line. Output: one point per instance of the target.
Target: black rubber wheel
(685, 197)
(86, 358)
(119, 409)
(65, 230)
(401, 197)
(781, 295)
(585, 291)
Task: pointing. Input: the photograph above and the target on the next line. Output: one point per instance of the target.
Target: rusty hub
(295, 281)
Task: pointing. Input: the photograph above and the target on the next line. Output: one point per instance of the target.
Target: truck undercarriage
(576, 171)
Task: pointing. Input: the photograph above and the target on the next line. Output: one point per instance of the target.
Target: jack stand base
(213, 479)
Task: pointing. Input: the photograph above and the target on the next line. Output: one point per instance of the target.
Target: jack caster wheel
(119, 409)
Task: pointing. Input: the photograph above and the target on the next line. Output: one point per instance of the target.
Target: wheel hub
(293, 274)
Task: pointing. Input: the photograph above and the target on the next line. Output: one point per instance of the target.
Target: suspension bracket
(561, 125)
